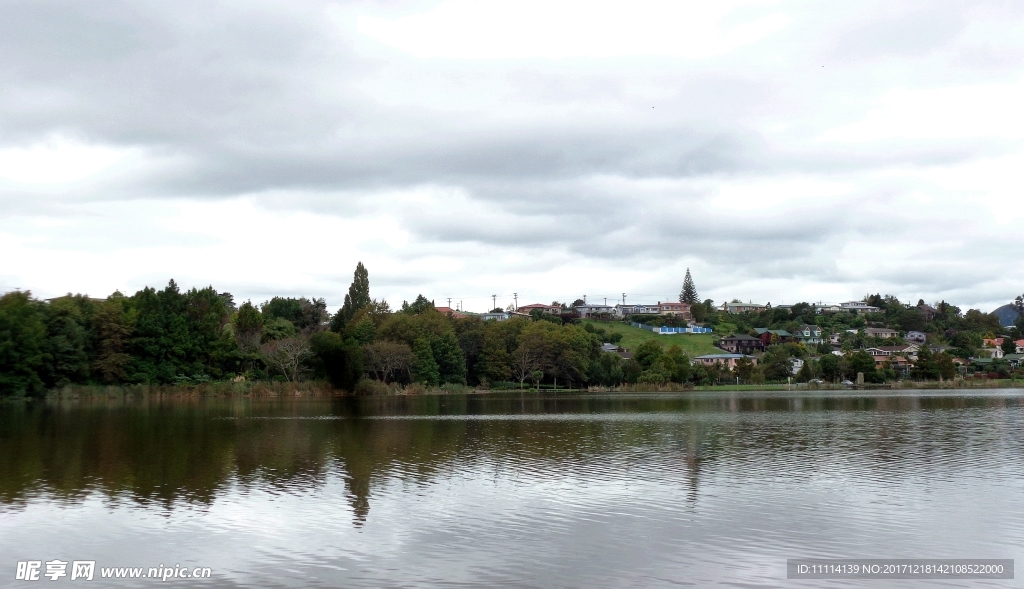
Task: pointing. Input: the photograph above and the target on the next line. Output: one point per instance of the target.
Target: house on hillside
(549, 309)
(453, 313)
(1020, 346)
(858, 307)
(741, 344)
(743, 307)
(893, 355)
(809, 335)
(770, 336)
(728, 360)
(594, 310)
(1014, 360)
(671, 308)
(993, 353)
(834, 339)
(502, 316)
(880, 332)
(627, 310)
(907, 350)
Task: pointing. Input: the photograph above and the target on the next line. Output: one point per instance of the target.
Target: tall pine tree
(358, 297)
(689, 292)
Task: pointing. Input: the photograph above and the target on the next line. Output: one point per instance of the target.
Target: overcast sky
(783, 151)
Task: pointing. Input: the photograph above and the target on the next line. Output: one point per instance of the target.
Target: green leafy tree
(361, 329)
(805, 373)
(945, 365)
(176, 334)
(278, 328)
(745, 369)
(22, 343)
(677, 363)
(829, 365)
(422, 305)
(863, 362)
(926, 367)
(424, 367)
(654, 375)
(307, 315)
(699, 313)
(702, 375)
(688, 294)
(647, 353)
(607, 370)
(493, 362)
(247, 326)
(631, 370)
(1008, 346)
(451, 363)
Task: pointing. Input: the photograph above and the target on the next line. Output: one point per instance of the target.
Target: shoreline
(321, 389)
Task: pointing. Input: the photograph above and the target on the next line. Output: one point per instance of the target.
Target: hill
(694, 344)
(1007, 315)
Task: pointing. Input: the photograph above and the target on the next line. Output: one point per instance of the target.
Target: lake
(511, 490)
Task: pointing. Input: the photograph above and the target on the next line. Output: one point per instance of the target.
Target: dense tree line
(173, 337)
(169, 336)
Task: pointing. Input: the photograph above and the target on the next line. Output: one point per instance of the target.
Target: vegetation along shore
(201, 342)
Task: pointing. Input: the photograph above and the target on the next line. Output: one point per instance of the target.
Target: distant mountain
(1007, 315)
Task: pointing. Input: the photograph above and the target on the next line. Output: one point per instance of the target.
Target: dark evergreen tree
(67, 341)
(22, 344)
(689, 292)
(358, 297)
(340, 362)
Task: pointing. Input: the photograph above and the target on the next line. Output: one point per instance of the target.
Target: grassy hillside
(694, 344)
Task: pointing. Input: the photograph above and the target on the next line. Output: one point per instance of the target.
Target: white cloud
(60, 161)
(559, 29)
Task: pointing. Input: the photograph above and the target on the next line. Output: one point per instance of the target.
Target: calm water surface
(512, 490)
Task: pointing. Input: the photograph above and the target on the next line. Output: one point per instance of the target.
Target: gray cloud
(616, 161)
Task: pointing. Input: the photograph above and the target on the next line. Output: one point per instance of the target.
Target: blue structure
(671, 330)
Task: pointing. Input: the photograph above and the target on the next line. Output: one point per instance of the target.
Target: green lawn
(694, 344)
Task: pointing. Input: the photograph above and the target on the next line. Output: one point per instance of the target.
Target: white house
(994, 353)
(858, 306)
(591, 310)
(795, 364)
(742, 307)
(626, 310)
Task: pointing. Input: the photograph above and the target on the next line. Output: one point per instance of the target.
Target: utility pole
(515, 296)
(606, 301)
(623, 298)
(449, 302)
(584, 299)
(494, 301)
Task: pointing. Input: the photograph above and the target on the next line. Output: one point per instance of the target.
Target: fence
(663, 330)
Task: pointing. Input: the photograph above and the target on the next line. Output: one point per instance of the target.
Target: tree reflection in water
(192, 450)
